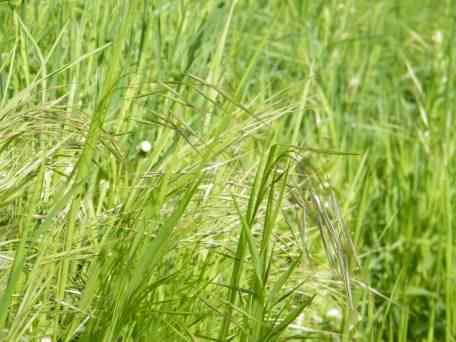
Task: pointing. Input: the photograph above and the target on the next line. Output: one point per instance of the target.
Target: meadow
(244, 170)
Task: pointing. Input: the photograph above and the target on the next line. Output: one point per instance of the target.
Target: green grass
(302, 165)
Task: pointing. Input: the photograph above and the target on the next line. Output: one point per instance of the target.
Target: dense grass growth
(300, 182)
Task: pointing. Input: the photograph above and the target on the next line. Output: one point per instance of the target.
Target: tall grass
(299, 185)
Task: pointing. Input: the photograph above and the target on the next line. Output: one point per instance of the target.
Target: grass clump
(183, 170)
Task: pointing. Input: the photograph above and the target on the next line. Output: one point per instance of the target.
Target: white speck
(334, 313)
(437, 37)
(144, 147)
(354, 82)
(46, 339)
(68, 170)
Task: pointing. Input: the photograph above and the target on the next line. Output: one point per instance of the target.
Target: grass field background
(300, 182)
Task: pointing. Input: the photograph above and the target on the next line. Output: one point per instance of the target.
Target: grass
(300, 183)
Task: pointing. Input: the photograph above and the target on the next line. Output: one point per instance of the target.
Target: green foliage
(280, 131)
